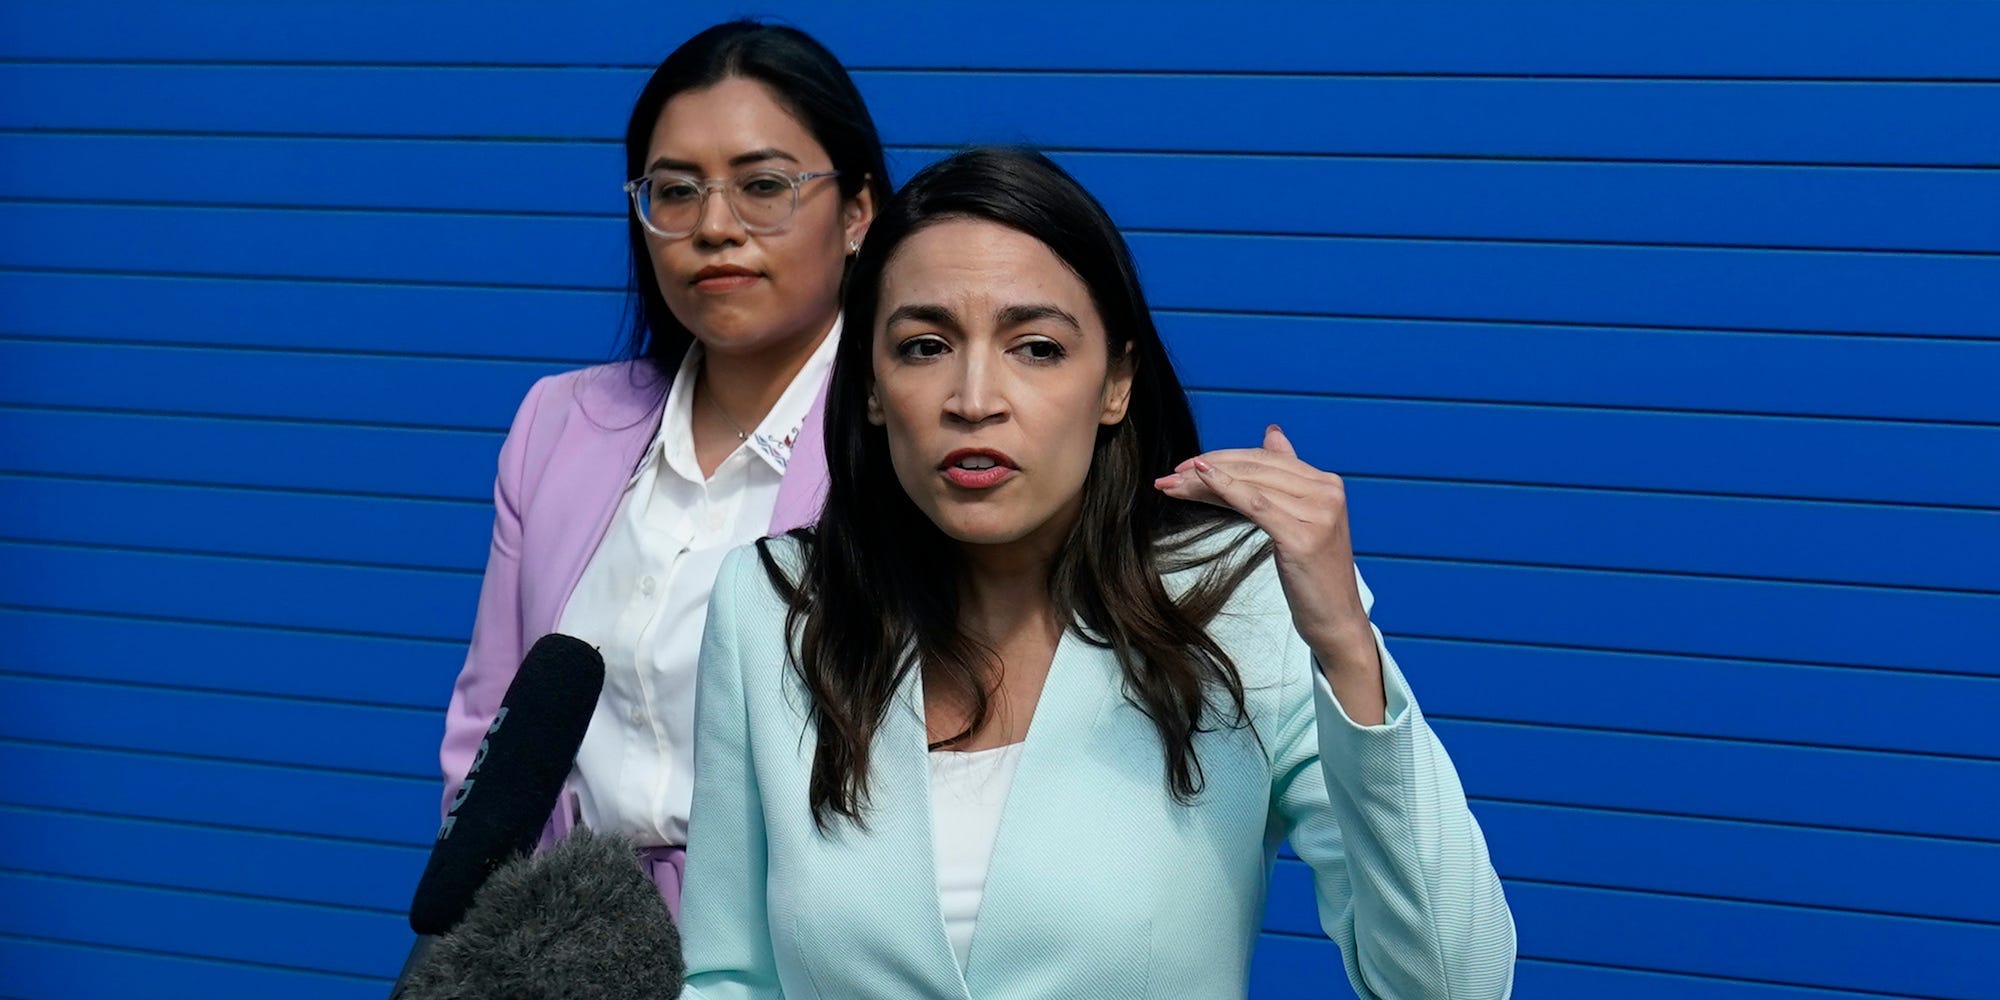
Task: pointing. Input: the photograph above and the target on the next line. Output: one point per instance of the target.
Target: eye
(763, 186)
(675, 190)
(1042, 351)
(921, 348)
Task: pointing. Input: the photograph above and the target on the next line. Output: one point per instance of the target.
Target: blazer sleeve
(725, 919)
(1400, 868)
(494, 656)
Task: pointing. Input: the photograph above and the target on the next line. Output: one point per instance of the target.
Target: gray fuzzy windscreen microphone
(579, 920)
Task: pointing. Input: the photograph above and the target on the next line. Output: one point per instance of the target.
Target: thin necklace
(741, 434)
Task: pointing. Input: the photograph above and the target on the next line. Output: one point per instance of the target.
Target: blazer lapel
(619, 418)
(803, 489)
(1064, 799)
(898, 852)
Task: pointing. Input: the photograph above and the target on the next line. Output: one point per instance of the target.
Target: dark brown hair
(878, 592)
(808, 82)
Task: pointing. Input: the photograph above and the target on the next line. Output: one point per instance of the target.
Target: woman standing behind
(756, 170)
(1029, 711)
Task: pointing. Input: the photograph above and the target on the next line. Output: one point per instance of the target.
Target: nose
(979, 397)
(719, 225)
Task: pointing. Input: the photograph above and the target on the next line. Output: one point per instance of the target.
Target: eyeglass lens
(761, 200)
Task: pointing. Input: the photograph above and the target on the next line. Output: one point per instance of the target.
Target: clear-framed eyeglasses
(670, 205)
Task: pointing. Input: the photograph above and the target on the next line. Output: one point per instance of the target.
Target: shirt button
(646, 586)
(638, 716)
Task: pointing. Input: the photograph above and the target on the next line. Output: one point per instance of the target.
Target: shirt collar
(774, 436)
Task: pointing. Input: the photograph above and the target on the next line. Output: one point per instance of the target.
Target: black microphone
(579, 920)
(515, 779)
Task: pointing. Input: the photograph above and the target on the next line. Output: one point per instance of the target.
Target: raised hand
(1304, 511)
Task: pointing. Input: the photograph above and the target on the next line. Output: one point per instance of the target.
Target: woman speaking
(1029, 710)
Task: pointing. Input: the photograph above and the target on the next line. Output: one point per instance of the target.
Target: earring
(853, 247)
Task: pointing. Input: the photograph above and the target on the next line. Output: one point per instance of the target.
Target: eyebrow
(1008, 316)
(932, 314)
(1022, 314)
(754, 156)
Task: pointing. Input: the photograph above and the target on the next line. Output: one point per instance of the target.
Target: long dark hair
(807, 80)
(878, 593)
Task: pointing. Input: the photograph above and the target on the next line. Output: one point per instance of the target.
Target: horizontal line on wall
(316, 280)
(1519, 241)
(456, 644)
(1719, 331)
(1525, 958)
(237, 761)
(1596, 407)
(483, 502)
(322, 136)
(1084, 71)
(1511, 158)
(1829, 990)
(235, 557)
(1696, 494)
(1193, 383)
(1699, 657)
(83, 681)
(13, 337)
(230, 828)
(188, 957)
(1708, 738)
(210, 893)
(1884, 669)
(1677, 574)
(1754, 901)
(246, 418)
(271, 206)
(1723, 818)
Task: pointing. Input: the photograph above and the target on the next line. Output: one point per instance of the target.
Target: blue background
(1660, 343)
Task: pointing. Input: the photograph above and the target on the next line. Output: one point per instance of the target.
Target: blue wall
(1660, 342)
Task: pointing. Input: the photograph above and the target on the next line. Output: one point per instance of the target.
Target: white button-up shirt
(644, 596)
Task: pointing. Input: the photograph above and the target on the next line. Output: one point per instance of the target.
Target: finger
(1303, 482)
(1190, 486)
(1276, 441)
(1281, 516)
(1248, 500)
(1245, 457)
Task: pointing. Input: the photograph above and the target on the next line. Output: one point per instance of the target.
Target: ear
(875, 409)
(1118, 386)
(857, 214)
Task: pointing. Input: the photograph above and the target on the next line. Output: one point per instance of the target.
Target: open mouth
(977, 468)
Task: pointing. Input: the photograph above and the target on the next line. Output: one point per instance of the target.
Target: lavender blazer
(573, 446)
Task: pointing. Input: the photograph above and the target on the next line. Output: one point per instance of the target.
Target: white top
(968, 792)
(643, 597)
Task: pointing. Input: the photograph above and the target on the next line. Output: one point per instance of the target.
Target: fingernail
(1202, 466)
(1183, 467)
(1168, 481)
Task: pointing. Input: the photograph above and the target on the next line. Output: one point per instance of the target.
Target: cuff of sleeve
(1368, 766)
(1397, 699)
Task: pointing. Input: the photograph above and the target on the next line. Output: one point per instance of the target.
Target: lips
(724, 278)
(977, 468)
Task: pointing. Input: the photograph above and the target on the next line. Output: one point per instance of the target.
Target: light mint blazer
(1102, 887)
